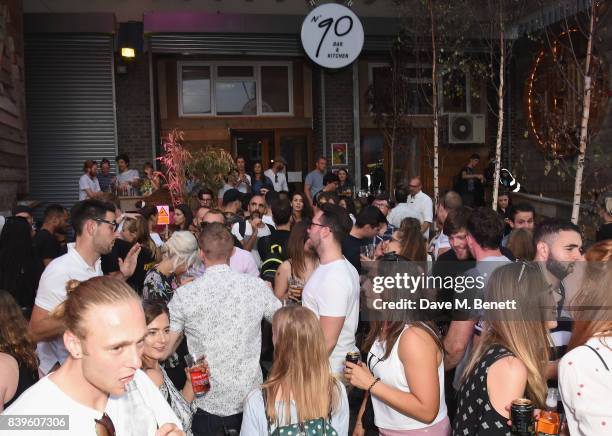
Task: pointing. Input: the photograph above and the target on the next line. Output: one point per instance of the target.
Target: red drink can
(199, 380)
(198, 372)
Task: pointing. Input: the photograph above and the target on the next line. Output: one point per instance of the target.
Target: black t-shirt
(448, 265)
(604, 232)
(351, 249)
(110, 263)
(46, 245)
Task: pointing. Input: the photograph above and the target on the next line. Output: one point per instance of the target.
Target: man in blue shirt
(314, 180)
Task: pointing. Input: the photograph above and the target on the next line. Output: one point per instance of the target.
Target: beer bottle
(549, 422)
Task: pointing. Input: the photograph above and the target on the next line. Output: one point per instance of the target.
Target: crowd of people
(271, 290)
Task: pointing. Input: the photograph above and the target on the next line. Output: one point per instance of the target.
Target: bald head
(415, 185)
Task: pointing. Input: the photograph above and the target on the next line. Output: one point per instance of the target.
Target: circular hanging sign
(332, 35)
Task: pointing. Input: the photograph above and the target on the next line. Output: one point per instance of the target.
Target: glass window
(381, 78)
(454, 91)
(236, 97)
(417, 85)
(196, 89)
(275, 89)
(235, 71)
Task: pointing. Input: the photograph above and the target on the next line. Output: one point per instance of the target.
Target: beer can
(199, 380)
(353, 357)
(521, 413)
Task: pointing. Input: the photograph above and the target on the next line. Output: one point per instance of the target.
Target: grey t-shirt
(315, 180)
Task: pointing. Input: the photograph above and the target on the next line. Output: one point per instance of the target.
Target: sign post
(163, 215)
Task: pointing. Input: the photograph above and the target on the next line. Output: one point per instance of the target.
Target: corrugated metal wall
(70, 109)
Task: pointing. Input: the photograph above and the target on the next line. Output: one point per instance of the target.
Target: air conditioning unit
(466, 129)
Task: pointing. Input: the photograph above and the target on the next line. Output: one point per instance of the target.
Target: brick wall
(13, 148)
(339, 111)
(133, 112)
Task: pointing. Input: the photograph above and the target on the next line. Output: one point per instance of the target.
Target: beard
(559, 269)
(104, 248)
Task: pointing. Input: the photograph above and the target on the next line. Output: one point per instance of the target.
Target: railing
(546, 206)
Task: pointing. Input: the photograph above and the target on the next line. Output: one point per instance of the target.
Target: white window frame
(179, 80)
(213, 79)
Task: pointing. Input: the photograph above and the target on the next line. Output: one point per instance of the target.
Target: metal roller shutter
(244, 44)
(70, 107)
(227, 43)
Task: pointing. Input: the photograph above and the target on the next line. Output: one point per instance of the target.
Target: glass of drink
(353, 357)
(366, 251)
(198, 372)
(295, 290)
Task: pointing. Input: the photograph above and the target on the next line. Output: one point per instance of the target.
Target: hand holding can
(198, 372)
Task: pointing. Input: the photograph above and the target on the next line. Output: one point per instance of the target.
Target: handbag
(312, 427)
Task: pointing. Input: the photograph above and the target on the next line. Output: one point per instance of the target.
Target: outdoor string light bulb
(533, 103)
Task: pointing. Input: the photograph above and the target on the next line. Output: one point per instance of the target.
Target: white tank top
(391, 373)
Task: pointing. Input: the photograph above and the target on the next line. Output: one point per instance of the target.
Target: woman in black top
(19, 267)
(346, 186)
(18, 361)
(510, 359)
(260, 181)
(135, 230)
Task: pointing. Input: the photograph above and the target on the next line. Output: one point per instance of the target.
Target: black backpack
(273, 255)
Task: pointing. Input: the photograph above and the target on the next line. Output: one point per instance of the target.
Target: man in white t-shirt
(104, 336)
(88, 183)
(332, 291)
(128, 180)
(95, 227)
(249, 231)
(277, 175)
(421, 206)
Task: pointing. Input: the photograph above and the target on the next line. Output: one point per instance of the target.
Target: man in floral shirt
(220, 314)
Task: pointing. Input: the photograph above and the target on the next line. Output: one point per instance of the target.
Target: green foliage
(209, 167)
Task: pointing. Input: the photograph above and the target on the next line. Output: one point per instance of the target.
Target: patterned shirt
(157, 286)
(476, 415)
(221, 314)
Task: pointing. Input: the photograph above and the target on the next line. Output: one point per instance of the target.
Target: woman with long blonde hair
(510, 360)
(585, 372)
(300, 388)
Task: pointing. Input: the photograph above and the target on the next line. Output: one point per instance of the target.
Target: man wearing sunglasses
(277, 175)
(96, 230)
